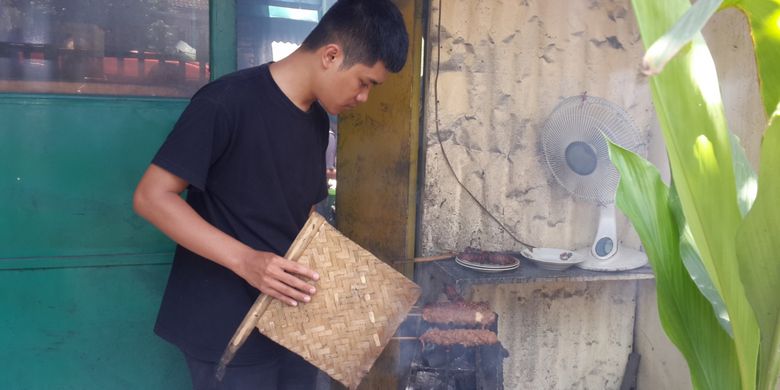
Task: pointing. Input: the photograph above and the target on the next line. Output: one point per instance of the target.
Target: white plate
(514, 263)
(552, 258)
(487, 267)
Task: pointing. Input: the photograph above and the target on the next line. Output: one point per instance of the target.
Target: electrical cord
(441, 144)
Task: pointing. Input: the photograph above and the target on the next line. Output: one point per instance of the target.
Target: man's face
(343, 89)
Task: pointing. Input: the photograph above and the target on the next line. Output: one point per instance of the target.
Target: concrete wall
(504, 65)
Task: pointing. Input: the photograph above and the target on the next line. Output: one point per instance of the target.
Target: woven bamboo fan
(359, 304)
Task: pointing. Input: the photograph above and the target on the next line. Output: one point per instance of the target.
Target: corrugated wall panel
(564, 335)
(504, 67)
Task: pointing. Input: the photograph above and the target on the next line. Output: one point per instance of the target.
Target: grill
(453, 367)
(457, 367)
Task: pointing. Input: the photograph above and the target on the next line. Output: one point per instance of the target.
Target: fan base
(623, 260)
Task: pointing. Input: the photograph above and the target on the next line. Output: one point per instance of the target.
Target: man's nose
(362, 97)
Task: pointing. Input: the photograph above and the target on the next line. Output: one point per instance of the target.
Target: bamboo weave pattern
(359, 304)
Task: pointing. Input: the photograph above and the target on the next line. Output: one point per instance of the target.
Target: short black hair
(367, 30)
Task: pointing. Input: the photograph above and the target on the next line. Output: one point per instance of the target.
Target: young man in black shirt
(250, 151)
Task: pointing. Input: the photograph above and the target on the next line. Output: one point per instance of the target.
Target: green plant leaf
(759, 259)
(667, 46)
(690, 113)
(759, 256)
(656, 57)
(764, 19)
(746, 179)
(686, 315)
(692, 261)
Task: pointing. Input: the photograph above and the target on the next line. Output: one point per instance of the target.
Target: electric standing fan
(576, 152)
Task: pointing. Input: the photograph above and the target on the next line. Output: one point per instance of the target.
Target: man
(250, 150)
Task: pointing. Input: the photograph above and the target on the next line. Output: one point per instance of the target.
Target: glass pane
(105, 47)
(270, 30)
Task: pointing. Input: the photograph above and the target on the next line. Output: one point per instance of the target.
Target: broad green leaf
(746, 192)
(690, 112)
(764, 19)
(659, 53)
(759, 263)
(758, 249)
(686, 315)
(667, 46)
(692, 261)
(746, 179)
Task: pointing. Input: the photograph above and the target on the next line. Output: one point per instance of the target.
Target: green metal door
(81, 276)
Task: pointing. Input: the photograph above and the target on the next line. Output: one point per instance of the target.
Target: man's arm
(157, 198)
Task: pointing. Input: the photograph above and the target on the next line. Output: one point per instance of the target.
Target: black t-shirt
(255, 164)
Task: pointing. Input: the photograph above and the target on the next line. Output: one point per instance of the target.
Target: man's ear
(331, 54)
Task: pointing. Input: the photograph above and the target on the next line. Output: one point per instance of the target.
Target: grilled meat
(459, 313)
(485, 257)
(465, 337)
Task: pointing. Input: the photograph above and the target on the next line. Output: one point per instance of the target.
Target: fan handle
(605, 243)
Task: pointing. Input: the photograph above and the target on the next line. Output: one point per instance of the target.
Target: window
(272, 29)
(113, 47)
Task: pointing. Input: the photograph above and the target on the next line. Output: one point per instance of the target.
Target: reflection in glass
(140, 47)
(306, 15)
(270, 30)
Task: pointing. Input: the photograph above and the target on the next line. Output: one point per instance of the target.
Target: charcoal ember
(435, 356)
(471, 368)
(442, 380)
(462, 358)
(423, 379)
(455, 356)
(463, 381)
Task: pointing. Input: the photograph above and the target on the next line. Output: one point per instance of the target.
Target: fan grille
(576, 151)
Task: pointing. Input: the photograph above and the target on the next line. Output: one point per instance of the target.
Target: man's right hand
(157, 199)
(278, 277)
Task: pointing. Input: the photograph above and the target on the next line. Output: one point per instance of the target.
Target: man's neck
(293, 76)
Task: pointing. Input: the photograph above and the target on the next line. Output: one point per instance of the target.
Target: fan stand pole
(605, 243)
(619, 258)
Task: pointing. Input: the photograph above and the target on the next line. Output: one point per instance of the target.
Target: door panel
(68, 167)
(85, 328)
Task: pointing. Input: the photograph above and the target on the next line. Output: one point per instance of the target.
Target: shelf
(434, 276)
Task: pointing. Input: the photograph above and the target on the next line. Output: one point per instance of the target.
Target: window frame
(222, 59)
